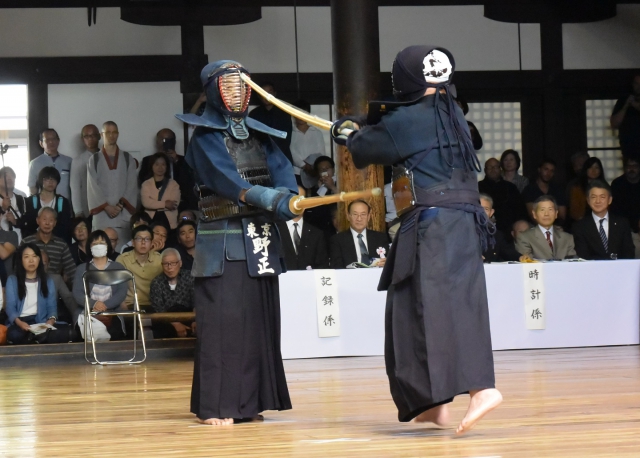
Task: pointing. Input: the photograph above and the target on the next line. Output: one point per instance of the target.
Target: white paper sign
(534, 295)
(327, 303)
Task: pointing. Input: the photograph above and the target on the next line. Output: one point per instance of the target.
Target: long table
(592, 303)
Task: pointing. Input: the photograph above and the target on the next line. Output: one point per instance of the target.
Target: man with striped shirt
(60, 260)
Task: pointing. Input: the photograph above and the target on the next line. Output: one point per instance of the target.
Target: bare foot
(482, 402)
(438, 415)
(217, 421)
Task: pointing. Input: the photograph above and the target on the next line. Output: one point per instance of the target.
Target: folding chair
(111, 278)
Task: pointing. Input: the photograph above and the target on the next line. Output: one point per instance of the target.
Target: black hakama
(437, 336)
(238, 369)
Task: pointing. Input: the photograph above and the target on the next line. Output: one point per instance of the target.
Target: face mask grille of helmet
(235, 93)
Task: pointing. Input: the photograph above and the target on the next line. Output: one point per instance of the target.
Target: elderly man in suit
(305, 248)
(358, 244)
(545, 241)
(603, 236)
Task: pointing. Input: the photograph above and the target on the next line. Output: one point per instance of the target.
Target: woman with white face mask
(102, 298)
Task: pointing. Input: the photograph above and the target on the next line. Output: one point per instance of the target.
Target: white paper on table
(327, 303)
(534, 295)
(40, 328)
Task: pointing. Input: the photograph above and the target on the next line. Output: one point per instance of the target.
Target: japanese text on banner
(327, 303)
(534, 296)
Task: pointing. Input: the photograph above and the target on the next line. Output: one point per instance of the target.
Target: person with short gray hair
(172, 291)
(546, 241)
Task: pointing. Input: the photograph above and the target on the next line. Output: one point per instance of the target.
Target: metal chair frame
(111, 278)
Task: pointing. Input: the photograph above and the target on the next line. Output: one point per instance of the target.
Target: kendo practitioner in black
(437, 336)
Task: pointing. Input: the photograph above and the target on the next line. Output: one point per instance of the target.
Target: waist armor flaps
(403, 189)
(251, 165)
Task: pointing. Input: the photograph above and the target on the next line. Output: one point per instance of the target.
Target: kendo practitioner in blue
(245, 182)
(437, 336)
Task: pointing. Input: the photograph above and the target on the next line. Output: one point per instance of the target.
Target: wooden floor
(558, 403)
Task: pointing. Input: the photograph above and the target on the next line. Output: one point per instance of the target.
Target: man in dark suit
(502, 250)
(358, 244)
(305, 246)
(603, 235)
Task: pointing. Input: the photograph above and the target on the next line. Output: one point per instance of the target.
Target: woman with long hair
(102, 298)
(79, 228)
(160, 194)
(31, 298)
(591, 170)
(510, 164)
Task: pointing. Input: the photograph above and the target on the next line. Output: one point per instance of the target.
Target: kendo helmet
(226, 92)
(419, 67)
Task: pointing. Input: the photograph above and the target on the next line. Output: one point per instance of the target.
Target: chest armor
(251, 165)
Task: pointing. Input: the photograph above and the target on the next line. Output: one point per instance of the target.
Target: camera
(168, 144)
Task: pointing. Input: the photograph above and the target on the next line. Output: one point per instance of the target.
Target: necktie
(364, 254)
(296, 237)
(603, 237)
(549, 240)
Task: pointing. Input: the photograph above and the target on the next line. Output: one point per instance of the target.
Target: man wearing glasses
(172, 291)
(90, 137)
(144, 264)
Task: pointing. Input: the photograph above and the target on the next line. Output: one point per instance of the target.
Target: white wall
(139, 109)
(52, 32)
(614, 43)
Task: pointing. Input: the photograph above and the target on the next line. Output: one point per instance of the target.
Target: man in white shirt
(49, 141)
(90, 137)
(306, 140)
(545, 241)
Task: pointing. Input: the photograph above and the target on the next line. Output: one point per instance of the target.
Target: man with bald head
(179, 170)
(90, 137)
(113, 240)
(507, 202)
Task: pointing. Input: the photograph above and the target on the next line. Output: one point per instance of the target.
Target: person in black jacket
(47, 182)
(502, 250)
(602, 235)
(305, 246)
(358, 244)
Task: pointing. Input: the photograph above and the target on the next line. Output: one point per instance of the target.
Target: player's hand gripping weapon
(299, 203)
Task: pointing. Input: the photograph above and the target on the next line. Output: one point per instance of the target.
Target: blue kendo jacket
(404, 133)
(224, 239)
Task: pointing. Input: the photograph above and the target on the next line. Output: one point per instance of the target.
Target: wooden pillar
(38, 120)
(356, 71)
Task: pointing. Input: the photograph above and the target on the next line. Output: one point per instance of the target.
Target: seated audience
(591, 170)
(603, 236)
(507, 201)
(46, 196)
(14, 203)
(577, 162)
(519, 227)
(80, 230)
(8, 245)
(60, 260)
(186, 243)
(545, 241)
(303, 244)
(544, 186)
(103, 297)
(502, 250)
(144, 263)
(172, 291)
(31, 299)
(68, 312)
(358, 244)
(138, 218)
(625, 191)
(160, 194)
(113, 239)
(187, 215)
(510, 164)
(160, 234)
